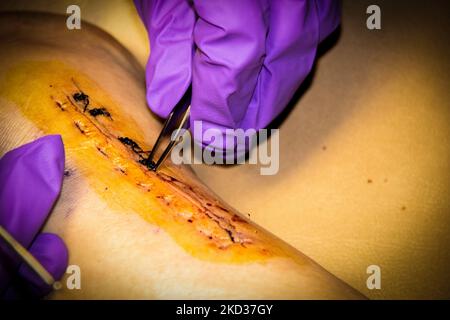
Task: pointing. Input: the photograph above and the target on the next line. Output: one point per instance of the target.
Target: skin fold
(134, 233)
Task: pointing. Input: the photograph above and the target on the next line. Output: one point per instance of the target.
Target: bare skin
(134, 233)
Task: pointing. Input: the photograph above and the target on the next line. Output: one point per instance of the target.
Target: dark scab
(99, 112)
(132, 144)
(67, 173)
(82, 97)
(190, 220)
(148, 163)
(129, 142)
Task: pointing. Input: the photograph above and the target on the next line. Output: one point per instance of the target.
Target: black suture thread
(81, 96)
(99, 112)
(138, 150)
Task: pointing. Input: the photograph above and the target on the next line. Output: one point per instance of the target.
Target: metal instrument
(171, 132)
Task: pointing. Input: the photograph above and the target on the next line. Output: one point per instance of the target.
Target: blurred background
(365, 154)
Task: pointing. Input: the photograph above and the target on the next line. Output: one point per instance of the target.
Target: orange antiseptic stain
(44, 92)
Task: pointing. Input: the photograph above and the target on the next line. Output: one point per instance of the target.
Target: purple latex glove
(30, 182)
(245, 58)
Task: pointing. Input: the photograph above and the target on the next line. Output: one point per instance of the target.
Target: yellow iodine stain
(58, 100)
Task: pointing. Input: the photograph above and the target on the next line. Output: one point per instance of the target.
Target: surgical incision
(224, 220)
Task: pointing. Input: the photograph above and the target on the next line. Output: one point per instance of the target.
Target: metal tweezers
(171, 131)
(26, 257)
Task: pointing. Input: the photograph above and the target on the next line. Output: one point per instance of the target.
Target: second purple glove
(30, 182)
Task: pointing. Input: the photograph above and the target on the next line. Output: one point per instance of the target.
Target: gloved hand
(245, 58)
(30, 182)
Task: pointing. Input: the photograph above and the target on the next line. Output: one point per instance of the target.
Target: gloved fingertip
(166, 84)
(52, 152)
(159, 101)
(50, 250)
(36, 166)
(170, 26)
